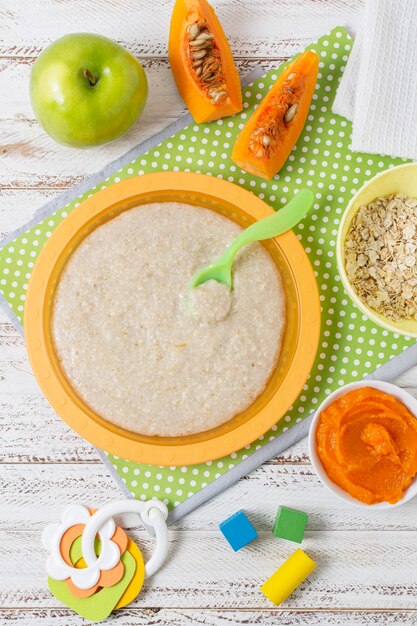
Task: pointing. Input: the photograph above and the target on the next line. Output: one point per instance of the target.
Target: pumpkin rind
(193, 91)
(266, 140)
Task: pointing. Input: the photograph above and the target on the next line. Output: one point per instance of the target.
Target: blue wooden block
(238, 530)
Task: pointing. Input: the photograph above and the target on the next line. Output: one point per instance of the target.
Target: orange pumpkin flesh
(209, 86)
(268, 137)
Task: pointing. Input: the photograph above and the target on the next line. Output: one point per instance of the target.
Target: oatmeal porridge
(145, 353)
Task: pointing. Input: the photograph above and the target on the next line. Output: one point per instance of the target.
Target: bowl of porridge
(140, 365)
(377, 249)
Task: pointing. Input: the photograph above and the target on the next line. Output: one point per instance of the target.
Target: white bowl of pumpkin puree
(363, 444)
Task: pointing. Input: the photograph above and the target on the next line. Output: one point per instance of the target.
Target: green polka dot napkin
(351, 346)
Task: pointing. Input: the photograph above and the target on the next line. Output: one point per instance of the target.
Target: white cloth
(378, 91)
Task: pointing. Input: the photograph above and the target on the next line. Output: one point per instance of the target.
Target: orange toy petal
(76, 591)
(110, 577)
(68, 539)
(81, 593)
(121, 539)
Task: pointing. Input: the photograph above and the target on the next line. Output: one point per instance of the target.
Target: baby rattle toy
(93, 566)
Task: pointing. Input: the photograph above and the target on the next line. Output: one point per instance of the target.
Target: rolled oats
(381, 256)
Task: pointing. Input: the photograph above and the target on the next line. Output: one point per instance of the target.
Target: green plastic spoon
(271, 226)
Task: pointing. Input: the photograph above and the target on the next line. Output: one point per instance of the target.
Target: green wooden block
(290, 524)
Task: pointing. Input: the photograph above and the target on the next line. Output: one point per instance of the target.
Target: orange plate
(298, 350)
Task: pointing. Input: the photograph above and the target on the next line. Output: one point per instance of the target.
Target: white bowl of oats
(377, 249)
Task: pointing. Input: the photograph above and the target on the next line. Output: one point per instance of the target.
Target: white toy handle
(153, 513)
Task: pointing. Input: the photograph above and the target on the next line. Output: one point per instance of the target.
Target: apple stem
(92, 79)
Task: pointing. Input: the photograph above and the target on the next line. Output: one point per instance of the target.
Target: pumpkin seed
(210, 68)
(214, 88)
(193, 30)
(266, 141)
(199, 54)
(207, 66)
(205, 36)
(197, 43)
(291, 76)
(198, 48)
(290, 113)
(211, 60)
(219, 95)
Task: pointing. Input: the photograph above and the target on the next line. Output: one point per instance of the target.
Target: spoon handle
(273, 225)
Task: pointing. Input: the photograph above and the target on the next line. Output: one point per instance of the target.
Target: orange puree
(367, 443)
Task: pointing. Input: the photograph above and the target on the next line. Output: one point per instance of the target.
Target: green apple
(86, 89)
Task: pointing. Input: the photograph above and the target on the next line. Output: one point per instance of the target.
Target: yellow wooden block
(291, 573)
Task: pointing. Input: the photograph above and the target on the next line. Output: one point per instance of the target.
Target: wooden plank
(17, 206)
(30, 158)
(47, 489)
(23, 409)
(31, 430)
(132, 616)
(33, 433)
(355, 570)
(254, 28)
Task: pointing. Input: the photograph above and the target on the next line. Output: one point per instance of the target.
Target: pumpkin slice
(202, 62)
(266, 140)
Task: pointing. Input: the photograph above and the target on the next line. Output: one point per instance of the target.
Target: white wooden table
(367, 570)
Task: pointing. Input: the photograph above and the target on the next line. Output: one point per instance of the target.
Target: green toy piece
(98, 606)
(290, 524)
(76, 550)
